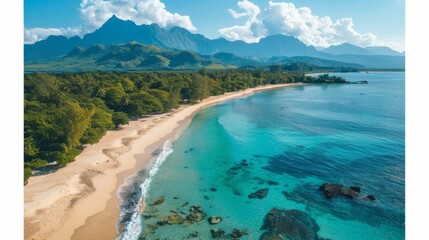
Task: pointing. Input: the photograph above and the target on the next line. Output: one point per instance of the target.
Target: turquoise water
(298, 138)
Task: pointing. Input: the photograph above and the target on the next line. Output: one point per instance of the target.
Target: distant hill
(117, 31)
(321, 63)
(384, 51)
(135, 56)
(274, 45)
(128, 57)
(351, 49)
(53, 46)
(235, 60)
(373, 61)
(347, 48)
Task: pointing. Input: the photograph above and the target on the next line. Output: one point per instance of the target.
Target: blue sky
(315, 22)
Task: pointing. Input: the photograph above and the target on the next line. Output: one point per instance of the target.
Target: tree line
(64, 111)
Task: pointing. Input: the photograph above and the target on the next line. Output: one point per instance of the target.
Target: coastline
(80, 201)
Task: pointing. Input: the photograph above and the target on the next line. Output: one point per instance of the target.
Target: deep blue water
(298, 138)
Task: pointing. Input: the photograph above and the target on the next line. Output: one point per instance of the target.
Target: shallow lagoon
(290, 141)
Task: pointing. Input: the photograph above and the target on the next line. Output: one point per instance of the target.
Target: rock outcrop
(157, 202)
(261, 193)
(333, 190)
(214, 220)
(289, 224)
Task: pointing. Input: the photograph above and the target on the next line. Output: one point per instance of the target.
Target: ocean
(288, 141)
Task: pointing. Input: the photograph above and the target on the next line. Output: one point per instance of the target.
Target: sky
(320, 23)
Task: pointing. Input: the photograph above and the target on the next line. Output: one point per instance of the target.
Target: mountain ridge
(135, 56)
(118, 31)
(347, 48)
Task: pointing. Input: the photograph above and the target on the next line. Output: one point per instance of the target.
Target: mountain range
(347, 48)
(135, 56)
(130, 56)
(117, 31)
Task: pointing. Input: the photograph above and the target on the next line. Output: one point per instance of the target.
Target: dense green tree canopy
(67, 110)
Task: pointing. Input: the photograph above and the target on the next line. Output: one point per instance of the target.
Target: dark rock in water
(289, 224)
(191, 149)
(185, 204)
(193, 234)
(349, 193)
(206, 198)
(161, 222)
(217, 233)
(147, 216)
(157, 202)
(196, 217)
(175, 197)
(333, 190)
(196, 207)
(271, 183)
(236, 233)
(261, 193)
(196, 214)
(355, 188)
(370, 197)
(186, 152)
(212, 189)
(214, 220)
(175, 219)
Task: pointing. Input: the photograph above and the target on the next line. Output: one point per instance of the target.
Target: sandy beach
(79, 201)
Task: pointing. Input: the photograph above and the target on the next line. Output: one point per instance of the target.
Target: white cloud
(250, 9)
(285, 18)
(252, 30)
(95, 12)
(33, 35)
(345, 32)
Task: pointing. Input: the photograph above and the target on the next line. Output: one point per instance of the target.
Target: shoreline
(80, 200)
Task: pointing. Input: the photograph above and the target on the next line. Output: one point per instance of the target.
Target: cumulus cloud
(285, 18)
(95, 12)
(251, 10)
(344, 29)
(252, 30)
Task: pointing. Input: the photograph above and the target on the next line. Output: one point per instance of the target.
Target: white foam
(133, 228)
